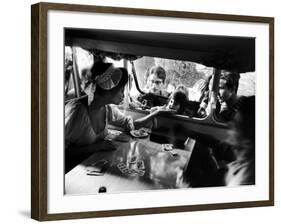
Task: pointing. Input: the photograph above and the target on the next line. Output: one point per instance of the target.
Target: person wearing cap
(86, 122)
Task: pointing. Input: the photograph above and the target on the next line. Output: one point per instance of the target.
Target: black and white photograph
(149, 111)
(138, 111)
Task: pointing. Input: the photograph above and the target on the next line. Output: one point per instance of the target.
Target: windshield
(173, 84)
(163, 76)
(247, 84)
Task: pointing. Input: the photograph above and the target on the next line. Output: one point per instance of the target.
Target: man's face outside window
(224, 92)
(155, 84)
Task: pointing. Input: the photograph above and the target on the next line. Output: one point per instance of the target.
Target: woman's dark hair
(181, 99)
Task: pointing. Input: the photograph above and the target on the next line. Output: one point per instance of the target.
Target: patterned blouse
(79, 129)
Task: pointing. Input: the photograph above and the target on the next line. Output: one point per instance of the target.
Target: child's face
(173, 105)
(155, 84)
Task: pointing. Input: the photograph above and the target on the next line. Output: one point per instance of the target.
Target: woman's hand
(163, 111)
(224, 106)
(152, 109)
(146, 121)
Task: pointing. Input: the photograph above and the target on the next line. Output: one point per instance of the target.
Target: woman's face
(118, 97)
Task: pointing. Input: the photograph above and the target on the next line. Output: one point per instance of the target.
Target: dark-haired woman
(86, 122)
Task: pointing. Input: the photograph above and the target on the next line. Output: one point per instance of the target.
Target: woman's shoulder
(77, 102)
(75, 106)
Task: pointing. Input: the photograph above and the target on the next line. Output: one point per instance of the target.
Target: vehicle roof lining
(223, 52)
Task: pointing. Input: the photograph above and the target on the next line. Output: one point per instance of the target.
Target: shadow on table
(74, 155)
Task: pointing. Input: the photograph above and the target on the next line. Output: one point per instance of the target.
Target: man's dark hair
(232, 80)
(157, 70)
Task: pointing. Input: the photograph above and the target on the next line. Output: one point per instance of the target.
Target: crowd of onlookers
(179, 98)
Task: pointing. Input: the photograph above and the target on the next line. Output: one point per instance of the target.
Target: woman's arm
(147, 120)
(116, 117)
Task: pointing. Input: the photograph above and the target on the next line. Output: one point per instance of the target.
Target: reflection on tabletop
(136, 164)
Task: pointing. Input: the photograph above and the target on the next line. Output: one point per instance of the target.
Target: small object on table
(112, 134)
(98, 168)
(94, 173)
(167, 147)
(174, 154)
(102, 189)
(121, 165)
(141, 173)
(140, 133)
(140, 165)
(123, 168)
(147, 130)
(133, 159)
(133, 172)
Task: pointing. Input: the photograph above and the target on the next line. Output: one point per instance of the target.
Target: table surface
(162, 169)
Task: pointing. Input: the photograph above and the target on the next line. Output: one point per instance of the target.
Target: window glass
(84, 59)
(247, 84)
(178, 73)
(68, 75)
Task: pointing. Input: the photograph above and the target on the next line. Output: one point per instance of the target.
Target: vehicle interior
(187, 59)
